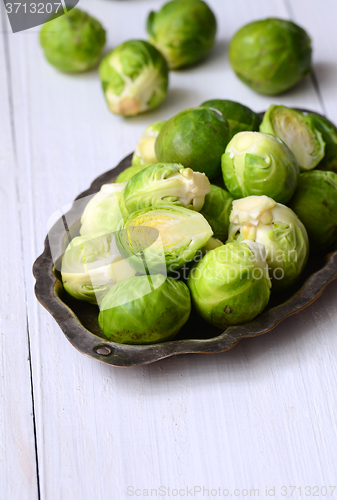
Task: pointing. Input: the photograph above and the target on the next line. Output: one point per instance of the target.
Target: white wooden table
(261, 415)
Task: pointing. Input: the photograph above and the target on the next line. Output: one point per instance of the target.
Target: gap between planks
(313, 76)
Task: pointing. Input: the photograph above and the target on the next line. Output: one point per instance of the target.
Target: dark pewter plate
(78, 320)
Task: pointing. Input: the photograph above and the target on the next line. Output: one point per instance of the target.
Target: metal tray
(78, 320)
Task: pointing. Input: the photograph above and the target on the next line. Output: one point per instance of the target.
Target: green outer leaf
(111, 79)
(269, 126)
(224, 289)
(149, 24)
(329, 134)
(231, 180)
(216, 210)
(184, 31)
(315, 203)
(196, 138)
(270, 55)
(129, 172)
(139, 246)
(151, 309)
(73, 42)
(240, 117)
(104, 211)
(147, 188)
(267, 168)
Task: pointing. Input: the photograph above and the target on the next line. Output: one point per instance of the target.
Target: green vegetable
(196, 138)
(211, 244)
(166, 183)
(165, 237)
(239, 117)
(257, 164)
(73, 42)
(105, 210)
(183, 31)
(134, 78)
(216, 210)
(129, 172)
(91, 265)
(297, 132)
(329, 135)
(231, 286)
(145, 310)
(278, 228)
(144, 152)
(315, 203)
(271, 55)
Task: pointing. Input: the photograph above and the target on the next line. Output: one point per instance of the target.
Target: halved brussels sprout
(145, 310)
(73, 42)
(196, 138)
(315, 203)
(165, 237)
(297, 132)
(259, 164)
(278, 228)
(129, 172)
(134, 78)
(184, 32)
(91, 265)
(144, 152)
(216, 210)
(239, 117)
(329, 135)
(105, 210)
(211, 244)
(166, 183)
(270, 56)
(231, 285)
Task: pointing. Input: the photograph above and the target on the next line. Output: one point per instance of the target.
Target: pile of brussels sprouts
(270, 56)
(218, 210)
(135, 74)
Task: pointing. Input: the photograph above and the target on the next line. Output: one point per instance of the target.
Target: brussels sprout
(278, 228)
(166, 183)
(231, 285)
(315, 203)
(129, 172)
(145, 310)
(329, 135)
(134, 78)
(157, 238)
(271, 55)
(144, 152)
(184, 32)
(239, 117)
(105, 210)
(257, 164)
(73, 42)
(91, 265)
(196, 138)
(211, 244)
(216, 210)
(297, 132)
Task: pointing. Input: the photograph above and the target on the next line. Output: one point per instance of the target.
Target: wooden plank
(252, 417)
(18, 474)
(319, 18)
